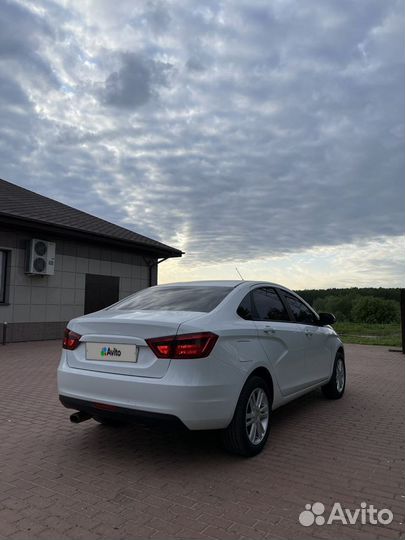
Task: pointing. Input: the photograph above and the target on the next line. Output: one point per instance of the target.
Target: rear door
(281, 339)
(317, 353)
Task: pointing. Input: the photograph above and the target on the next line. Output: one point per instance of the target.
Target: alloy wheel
(257, 416)
(340, 375)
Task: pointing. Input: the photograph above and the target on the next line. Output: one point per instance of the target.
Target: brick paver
(87, 481)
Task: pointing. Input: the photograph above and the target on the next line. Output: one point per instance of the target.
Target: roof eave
(159, 251)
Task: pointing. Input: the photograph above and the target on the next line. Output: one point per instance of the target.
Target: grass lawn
(370, 334)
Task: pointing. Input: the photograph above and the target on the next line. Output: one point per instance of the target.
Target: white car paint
(201, 392)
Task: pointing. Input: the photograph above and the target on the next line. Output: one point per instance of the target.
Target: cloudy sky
(266, 135)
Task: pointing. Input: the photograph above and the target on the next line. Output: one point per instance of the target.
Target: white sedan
(211, 354)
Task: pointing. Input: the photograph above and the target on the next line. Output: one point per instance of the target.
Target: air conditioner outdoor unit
(40, 257)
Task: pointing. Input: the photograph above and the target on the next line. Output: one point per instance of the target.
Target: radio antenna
(236, 268)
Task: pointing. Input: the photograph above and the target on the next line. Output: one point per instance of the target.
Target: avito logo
(313, 513)
(108, 351)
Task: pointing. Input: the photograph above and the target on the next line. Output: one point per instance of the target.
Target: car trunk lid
(114, 341)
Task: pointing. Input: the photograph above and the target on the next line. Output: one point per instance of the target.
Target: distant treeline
(309, 295)
(365, 305)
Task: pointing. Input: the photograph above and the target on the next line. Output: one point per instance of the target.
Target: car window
(301, 312)
(268, 305)
(245, 308)
(160, 298)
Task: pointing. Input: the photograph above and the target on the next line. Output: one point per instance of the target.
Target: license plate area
(111, 352)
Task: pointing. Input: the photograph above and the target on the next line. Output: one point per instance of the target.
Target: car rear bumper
(115, 413)
(198, 405)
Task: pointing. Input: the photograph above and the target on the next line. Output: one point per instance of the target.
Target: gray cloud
(136, 81)
(156, 17)
(22, 33)
(234, 130)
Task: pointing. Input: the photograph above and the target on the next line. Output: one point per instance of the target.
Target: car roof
(219, 283)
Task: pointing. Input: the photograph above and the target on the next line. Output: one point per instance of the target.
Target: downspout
(151, 264)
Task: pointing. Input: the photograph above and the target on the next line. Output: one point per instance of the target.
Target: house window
(3, 273)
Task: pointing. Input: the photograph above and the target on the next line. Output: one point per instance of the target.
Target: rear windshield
(174, 299)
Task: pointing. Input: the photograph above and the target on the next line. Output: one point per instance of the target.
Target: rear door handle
(308, 332)
(269, 330)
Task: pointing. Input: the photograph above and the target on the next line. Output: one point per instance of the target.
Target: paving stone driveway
(59, 480)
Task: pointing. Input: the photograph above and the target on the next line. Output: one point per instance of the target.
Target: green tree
(340, 306)
(371, 310)
(310, 295)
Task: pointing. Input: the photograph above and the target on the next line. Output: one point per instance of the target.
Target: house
(57, 262)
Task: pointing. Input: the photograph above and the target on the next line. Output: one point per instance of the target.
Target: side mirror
(326, 318)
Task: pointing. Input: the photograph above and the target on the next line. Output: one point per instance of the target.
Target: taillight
(185, 346)
(70, 339)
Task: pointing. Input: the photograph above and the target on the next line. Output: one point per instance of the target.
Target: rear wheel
(247, 434)
(335, 388)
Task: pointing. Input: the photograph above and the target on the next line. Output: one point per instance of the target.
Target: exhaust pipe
(79, 416)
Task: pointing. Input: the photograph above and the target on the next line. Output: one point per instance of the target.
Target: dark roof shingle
(20, 203)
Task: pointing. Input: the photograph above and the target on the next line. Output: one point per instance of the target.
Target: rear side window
(268, 305)
(245, 308)
(301, 312)
(193, 298)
